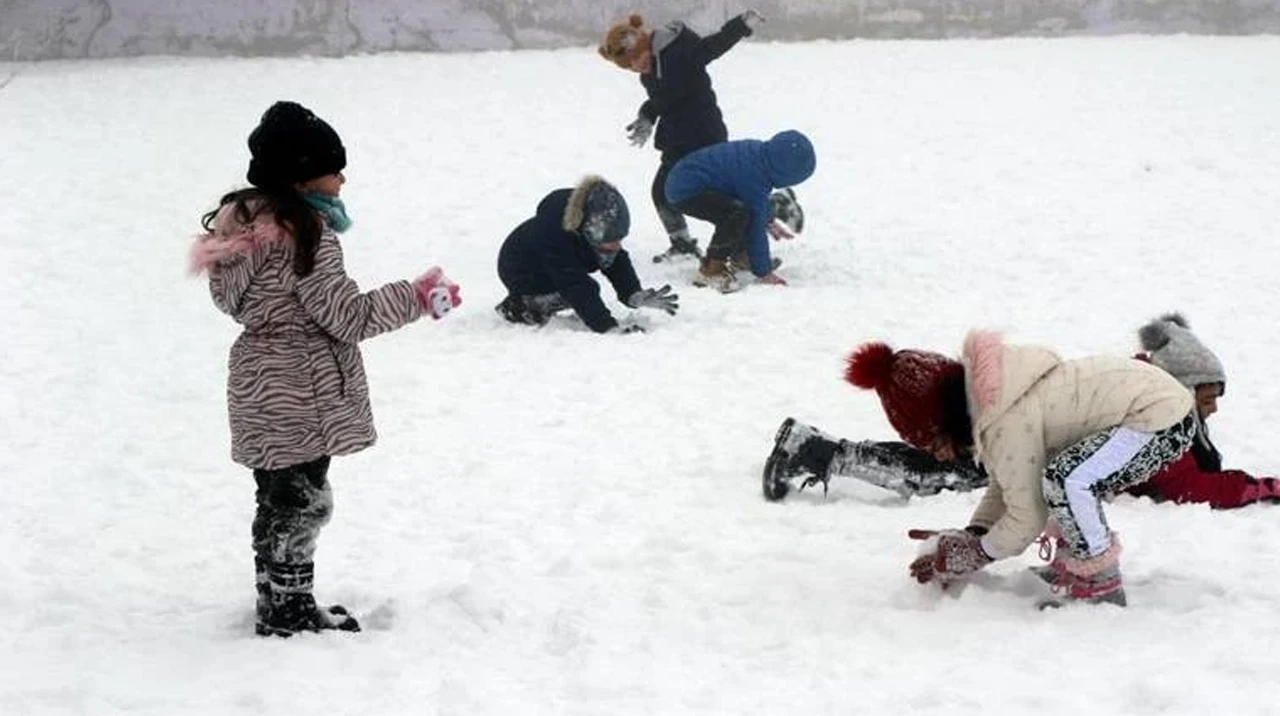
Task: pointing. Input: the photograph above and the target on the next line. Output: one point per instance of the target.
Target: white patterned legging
(1102, 464)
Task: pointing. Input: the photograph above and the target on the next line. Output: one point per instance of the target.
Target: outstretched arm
(335, 302)
(1184, 482)
(711, 47)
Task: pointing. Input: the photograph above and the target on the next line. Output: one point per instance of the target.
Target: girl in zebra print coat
(296, 389)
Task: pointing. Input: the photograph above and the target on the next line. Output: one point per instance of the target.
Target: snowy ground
(556, 522)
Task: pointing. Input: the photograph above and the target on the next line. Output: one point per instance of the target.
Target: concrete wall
(45, 29)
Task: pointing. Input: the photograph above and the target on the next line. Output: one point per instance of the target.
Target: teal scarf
(331, 208)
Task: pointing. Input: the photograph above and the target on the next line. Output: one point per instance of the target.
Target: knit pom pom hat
(922, 393)
(1172, 346)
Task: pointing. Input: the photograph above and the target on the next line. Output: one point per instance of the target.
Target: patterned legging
(1102, 464)
(293, 504)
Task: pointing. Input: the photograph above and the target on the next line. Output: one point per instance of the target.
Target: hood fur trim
(231, 239)
(576, 208)
(984, 351)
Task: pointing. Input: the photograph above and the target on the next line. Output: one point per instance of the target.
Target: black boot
(798, 450)
(294, 609)
(263, 585)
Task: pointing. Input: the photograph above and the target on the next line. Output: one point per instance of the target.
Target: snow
(556, 522)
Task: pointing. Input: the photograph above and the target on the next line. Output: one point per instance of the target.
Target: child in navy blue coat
(729, 185)
(546, 262)
(672, 62)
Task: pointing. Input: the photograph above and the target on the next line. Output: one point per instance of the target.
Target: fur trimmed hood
(231, 239)
(597, 211)
(999, 374)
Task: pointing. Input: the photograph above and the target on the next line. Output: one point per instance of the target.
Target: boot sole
(773, 488)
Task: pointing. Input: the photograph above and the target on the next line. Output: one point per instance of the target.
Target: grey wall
(45, 29)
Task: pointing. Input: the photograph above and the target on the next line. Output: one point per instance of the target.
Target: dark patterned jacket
(296, 388)
(681, 99)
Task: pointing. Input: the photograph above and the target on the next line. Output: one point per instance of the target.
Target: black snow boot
(798, 450)
(293, 609)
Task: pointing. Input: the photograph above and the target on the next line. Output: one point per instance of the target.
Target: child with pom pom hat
(1054, 435)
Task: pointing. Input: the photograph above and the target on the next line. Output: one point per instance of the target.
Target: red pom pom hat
(922, 392)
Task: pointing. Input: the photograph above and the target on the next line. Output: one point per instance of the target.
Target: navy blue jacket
(541, 257)
(681, 100)
(748, 170)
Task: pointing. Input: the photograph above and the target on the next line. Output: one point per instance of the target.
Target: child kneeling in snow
(547, 261)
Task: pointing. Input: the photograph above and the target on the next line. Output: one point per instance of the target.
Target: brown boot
(717, 274)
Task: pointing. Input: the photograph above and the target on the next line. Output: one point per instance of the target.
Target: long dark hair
(291, 212)
(957, 424)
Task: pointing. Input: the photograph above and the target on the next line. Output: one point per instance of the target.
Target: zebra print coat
(296, 388)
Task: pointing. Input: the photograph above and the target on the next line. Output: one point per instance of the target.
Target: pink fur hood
(231, 239)
(998, 374)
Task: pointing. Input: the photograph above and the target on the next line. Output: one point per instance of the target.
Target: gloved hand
(957, 553)
(779, 231)
(627, 328)
(1263, 489)
(436, 294)
(638, 131)
(752, 18)
(661, 299)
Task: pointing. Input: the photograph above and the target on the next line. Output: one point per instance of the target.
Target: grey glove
(662, 299)
(752, 18)
(638, 131)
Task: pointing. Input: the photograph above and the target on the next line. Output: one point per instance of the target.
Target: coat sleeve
(990, 508)
(1184, 482)
(335, 302)
(575, 286)
(758, 237)
(622, 275)
(1016, 462)
(711, 47)
(649, 110)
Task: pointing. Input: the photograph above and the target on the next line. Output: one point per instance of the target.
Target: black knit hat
(292, 145)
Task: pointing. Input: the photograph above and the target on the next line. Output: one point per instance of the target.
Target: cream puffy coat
(1027, 405)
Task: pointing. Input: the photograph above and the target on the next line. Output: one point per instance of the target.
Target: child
(672, 63)
(806, 455)
(547, 261)
(729, 185)
(1055, 436)
(1197, 477)
(296, 391)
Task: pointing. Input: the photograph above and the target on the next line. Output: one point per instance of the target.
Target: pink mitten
(437, 295)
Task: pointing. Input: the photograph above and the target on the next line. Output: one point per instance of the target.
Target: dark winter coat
(749, 170)
(296, 388)
(541, 256)
(681, 99)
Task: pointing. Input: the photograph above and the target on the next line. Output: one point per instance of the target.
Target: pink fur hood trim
(984, 356)
(231, 239)
(997, 375)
